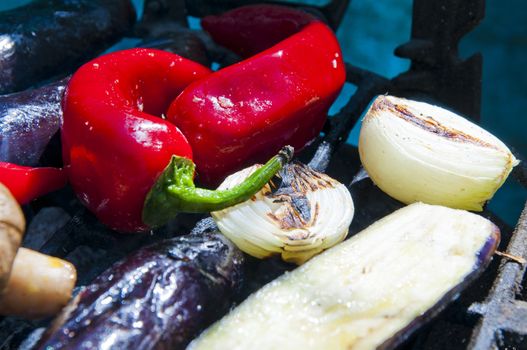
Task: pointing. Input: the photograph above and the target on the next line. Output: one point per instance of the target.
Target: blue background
(372, 29)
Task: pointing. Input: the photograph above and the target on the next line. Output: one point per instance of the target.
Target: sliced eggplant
(49, 37)
(371, 291)
(157, 298)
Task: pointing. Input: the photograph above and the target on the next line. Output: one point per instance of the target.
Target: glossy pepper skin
(246, 112)
(114, 141)
(27, 183)
(116, 149)
(248, 30)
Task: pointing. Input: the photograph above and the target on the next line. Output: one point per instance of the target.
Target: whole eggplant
(49, 37)
(28, 120)
(157, 298)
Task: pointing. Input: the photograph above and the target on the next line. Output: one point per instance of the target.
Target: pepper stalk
(175, 191)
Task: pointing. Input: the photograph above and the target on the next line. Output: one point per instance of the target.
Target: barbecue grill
(492, 313)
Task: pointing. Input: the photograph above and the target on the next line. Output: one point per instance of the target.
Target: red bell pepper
(116, 144)
(246, 112)
(248, 30)
(27, 183)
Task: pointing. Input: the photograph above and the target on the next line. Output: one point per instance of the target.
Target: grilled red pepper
(27, 183)
(248, 30)
(116, 145)
(247, 111)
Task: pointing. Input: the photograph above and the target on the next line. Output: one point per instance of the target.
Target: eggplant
(28, 121)
(160, 297)
(372, 291)
(49, 37)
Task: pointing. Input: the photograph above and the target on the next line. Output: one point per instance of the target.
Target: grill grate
(502, 311)
(436, 73)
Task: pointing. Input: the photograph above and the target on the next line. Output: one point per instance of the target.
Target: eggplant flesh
(158, 298)
(372, 291)
(28, 121)
(49, 37)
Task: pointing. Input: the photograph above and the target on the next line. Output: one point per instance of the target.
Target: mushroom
(32, 285)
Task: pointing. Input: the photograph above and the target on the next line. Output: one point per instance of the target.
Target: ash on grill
(491, 313)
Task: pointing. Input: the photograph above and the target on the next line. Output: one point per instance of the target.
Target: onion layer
(299, 214)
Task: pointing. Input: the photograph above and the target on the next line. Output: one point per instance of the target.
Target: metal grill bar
(515, 318)
(436, 72)
(501, 311)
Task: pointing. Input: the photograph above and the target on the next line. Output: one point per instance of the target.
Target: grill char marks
(295, 182)
(427, 123)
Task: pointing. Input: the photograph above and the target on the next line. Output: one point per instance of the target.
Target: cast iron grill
(492, 313)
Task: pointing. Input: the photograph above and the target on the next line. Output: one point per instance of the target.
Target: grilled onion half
(300, 213)
(415, 151)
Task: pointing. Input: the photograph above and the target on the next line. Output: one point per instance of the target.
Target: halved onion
(415, 151)
(297, 215)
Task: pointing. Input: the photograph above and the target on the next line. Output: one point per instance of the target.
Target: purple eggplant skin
(482, 261)
(28, 121)
(50, 37)
(160, 297)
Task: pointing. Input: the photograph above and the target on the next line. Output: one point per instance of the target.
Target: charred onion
(298, 214)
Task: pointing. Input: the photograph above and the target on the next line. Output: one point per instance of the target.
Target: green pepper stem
(174, 192)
